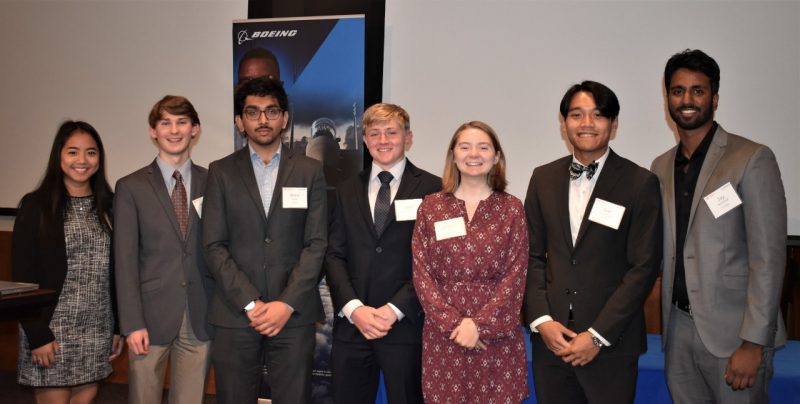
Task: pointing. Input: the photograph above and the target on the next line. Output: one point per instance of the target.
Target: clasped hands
(466, 335)
(578, 351)
(268, 318)
(373, 323)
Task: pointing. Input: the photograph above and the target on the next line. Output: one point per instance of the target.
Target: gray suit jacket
(157, 272)
(252, 255)
(735, 263)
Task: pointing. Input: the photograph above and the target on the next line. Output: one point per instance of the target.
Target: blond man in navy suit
(163, 284)
(724, 247)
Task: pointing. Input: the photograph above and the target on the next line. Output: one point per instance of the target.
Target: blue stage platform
(651, 387)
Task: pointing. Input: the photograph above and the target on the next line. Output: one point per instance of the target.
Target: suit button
(378, 250)
(574, 262)
(267, 240)
(183, 284)
(567, 291)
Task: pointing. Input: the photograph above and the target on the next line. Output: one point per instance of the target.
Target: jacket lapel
(285, 167)
(362, 202)
(562, 199)
(669, 192)
(248, 176)
(160, 190)
(715, 151)
(609, 176)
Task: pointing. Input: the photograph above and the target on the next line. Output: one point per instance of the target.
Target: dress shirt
(580, 192)
(266, 175)
(373, 187)
(687, 170)
(185, 169)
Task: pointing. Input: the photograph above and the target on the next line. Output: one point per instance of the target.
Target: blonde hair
(384, 112)
(497, 175)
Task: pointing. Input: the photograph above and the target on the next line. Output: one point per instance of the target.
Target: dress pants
(356, 367)
(240, 354)
(188, 362)
(609, 378)
(694, 375)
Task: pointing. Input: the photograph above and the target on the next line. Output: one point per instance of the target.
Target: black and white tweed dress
(82, 322)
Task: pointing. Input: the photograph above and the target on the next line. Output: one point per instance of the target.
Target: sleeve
(445, 317)
(24, 252)
(232, 281)
(304, 277)
(126, 261)
(644, 252)
(338, 278)
(535, 305)
(764, 204)
(500, 317)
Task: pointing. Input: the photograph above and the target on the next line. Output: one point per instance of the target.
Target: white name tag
(295, 198)
(450, 228)
(722, 200)
(606, 213)
(198, 206)
(406, 209)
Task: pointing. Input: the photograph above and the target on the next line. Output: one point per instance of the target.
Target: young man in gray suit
(724, 247)
(265, 235)
(163, 285)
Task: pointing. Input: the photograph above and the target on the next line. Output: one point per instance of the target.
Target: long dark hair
(52, 191)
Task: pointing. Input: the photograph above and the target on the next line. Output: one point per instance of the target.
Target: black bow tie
(576, 169)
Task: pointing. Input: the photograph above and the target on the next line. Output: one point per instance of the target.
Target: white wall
(509, 63)
(447, 61)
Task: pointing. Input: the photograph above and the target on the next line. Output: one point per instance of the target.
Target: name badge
(198, 206)
(295, 197)
(606, 213)
(406, 209)
(722, 200)
(450, 228)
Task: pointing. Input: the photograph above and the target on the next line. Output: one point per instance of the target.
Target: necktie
(382, 202)
(576, 169)
(179, 203)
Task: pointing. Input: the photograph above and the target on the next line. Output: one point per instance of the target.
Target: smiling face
(587, 129)
(80, 159)
(173, 134)
(690, 101)
(474, 154)
(387, 142)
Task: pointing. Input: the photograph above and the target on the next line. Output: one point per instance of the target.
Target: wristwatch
(596, 341)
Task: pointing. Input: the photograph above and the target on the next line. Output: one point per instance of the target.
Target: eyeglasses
(253, 113)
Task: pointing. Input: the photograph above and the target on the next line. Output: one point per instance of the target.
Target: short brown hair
(175, 105)
(497, 175)
(383, 112)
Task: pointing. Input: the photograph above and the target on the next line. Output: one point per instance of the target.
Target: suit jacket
(375, 268)
(158, 272)
(608, 273)
(43, 260)
(252, 255)
(734, 264)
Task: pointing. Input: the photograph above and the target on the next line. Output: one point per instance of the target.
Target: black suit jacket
(608, 273)
(373, 268)
(43, 260)
(252, 255)
(158, 271)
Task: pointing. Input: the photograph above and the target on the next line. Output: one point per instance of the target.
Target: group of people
(429, 276)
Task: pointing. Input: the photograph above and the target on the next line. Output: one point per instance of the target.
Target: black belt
(685, 307)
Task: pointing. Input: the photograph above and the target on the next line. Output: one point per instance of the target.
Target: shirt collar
(600, 163)
(255, 157)
(167, 169)
(396, 170)
(701, 150)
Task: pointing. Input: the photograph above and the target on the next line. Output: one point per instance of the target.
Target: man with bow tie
(595, 234)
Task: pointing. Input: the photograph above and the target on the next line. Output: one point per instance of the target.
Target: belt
(684, 307)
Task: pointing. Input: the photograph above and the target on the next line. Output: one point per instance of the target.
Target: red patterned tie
(179, 203)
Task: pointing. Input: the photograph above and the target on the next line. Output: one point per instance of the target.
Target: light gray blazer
(157, 272)
(734, 264)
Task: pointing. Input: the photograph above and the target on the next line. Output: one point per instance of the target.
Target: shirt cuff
(250, 306)
(396, 311)
(600, 337)
(543, 319)
(349, 308)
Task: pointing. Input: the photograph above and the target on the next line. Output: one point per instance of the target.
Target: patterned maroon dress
(481, 276)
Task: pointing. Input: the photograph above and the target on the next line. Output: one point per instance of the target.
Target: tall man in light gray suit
(724, 247)
(163, 285)
(265, 235)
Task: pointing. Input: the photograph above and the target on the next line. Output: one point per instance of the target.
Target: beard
(705, 114)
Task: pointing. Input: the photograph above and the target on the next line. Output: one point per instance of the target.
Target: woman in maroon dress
(470, 248)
